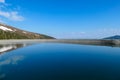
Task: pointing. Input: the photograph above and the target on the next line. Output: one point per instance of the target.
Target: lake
(59, 61)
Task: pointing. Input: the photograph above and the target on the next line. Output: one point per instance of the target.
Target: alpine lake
(59, 61)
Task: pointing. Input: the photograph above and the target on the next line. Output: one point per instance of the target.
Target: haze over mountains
(9, 32)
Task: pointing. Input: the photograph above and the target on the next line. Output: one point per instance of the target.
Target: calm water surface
(57, 61)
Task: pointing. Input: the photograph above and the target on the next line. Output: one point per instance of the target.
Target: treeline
(14, 35)
(11, 35)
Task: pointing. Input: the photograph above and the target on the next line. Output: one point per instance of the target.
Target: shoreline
(74, 41)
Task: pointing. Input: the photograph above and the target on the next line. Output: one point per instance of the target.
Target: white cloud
(2, 1)
(9, 13)
(5, 14)
(13, 15)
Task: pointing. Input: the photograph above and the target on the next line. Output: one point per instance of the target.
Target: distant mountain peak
(9, 32)
(113, 37)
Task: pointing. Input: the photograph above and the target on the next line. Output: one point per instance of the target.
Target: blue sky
(64, 18)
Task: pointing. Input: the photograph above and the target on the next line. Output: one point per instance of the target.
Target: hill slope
(9, 32)
(113, 37)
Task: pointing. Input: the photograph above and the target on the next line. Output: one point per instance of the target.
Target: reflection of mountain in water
(10, 47)
(96, 42)
(11, 59)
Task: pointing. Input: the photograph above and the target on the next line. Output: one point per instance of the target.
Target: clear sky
(64, 18)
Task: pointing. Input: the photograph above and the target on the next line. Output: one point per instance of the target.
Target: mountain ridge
(10, 32)
(113, 37)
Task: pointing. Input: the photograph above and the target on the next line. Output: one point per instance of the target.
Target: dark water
(57, 61)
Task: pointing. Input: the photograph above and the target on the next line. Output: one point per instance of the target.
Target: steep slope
(113, 37)
(9, 32)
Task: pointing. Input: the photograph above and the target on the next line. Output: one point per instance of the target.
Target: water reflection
(89, 43)
(54, 61)
(9, 47)
(10, 60)
(108, 45)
